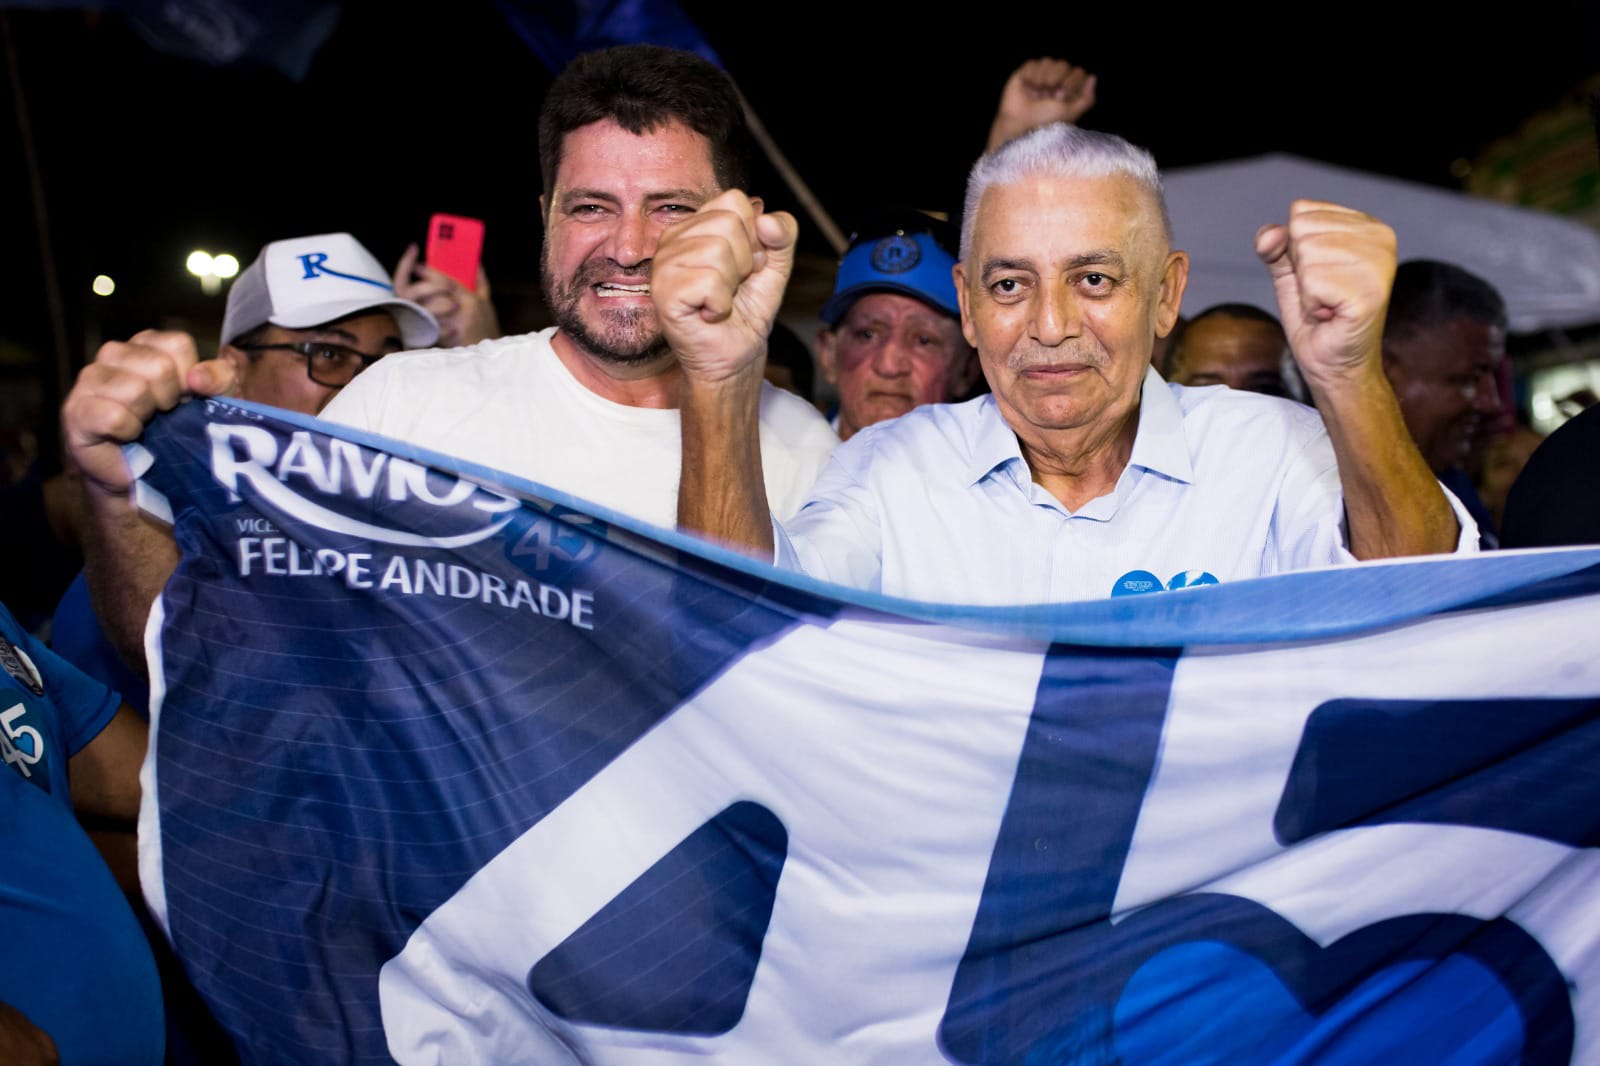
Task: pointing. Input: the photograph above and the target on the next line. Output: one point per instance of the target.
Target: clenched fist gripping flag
(449, 768)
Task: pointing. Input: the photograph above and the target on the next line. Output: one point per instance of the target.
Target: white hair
(1061, 150)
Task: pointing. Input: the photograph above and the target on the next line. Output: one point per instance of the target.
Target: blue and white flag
(450, 768)
(558, 31)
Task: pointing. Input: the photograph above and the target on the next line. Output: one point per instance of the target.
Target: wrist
(725, 371)
(1356, 379)
(1000, 132)
(96, 489)
(735, 387)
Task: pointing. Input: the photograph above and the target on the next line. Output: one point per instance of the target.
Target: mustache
(597, 270)
(1036, 356)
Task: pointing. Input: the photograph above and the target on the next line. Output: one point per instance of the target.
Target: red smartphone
(455, 244)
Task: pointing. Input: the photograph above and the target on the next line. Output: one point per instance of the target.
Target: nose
(1057, 315)
(634, 239)
(1486, 395)
(893, 357)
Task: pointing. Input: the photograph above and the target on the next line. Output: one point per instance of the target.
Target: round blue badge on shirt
(1189, 579)
(1136, 582)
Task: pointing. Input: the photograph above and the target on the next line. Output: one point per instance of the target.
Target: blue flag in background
(285, 35)
(559, 31)
(449, 767)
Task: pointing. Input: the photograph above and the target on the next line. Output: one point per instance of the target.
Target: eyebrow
(1104, 257)
(346, 335)
(1099, 257)
(697, 196)
(927, 318)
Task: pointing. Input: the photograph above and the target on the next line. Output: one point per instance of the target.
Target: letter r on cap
(312, 262)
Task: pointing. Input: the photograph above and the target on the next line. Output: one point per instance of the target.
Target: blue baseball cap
(905, 261)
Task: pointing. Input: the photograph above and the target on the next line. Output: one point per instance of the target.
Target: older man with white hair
(1082, 474)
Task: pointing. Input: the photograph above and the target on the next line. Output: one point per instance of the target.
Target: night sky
(142, 155)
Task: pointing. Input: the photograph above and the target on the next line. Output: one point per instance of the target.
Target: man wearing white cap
(301, 321)
(309, 315)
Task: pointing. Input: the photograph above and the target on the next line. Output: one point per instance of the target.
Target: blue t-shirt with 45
(73, 958)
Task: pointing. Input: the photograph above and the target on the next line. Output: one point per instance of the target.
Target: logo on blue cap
(911, 263)
(895, 255)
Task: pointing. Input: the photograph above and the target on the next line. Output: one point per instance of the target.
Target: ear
(238, 358)
(827, 356)
(1174, 278)
(242, 364)
(959, 273)
(965, 373)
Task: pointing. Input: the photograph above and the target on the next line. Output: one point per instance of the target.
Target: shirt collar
(1158, 444)
(993, 443)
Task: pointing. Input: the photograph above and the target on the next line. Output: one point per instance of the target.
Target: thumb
(1272, 245)
(212, 377)
(778, 233)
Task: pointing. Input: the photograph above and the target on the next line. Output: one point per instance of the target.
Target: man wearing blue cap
(892, 338)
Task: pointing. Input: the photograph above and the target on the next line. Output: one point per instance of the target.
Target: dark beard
(628, 337)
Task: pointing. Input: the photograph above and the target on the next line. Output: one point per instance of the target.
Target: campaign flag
(559, 30)
(285, 35)
(448, 767)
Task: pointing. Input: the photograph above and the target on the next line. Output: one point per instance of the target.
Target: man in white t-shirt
(632, 140)
(512, 404)
(1083, 474)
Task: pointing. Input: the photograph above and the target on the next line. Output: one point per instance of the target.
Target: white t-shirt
(510, 404)
(940, 505)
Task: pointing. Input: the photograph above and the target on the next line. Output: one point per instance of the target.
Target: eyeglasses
(332, 365)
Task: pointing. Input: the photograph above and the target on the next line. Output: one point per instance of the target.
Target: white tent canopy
(1547, 267)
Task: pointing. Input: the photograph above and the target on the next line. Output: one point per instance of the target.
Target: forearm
(721, 491)
(473, 321)
(128, 557)
(1394, 505)
(105, 773)
(1002, 130)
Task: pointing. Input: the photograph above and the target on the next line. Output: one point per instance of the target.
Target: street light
(211, 269)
